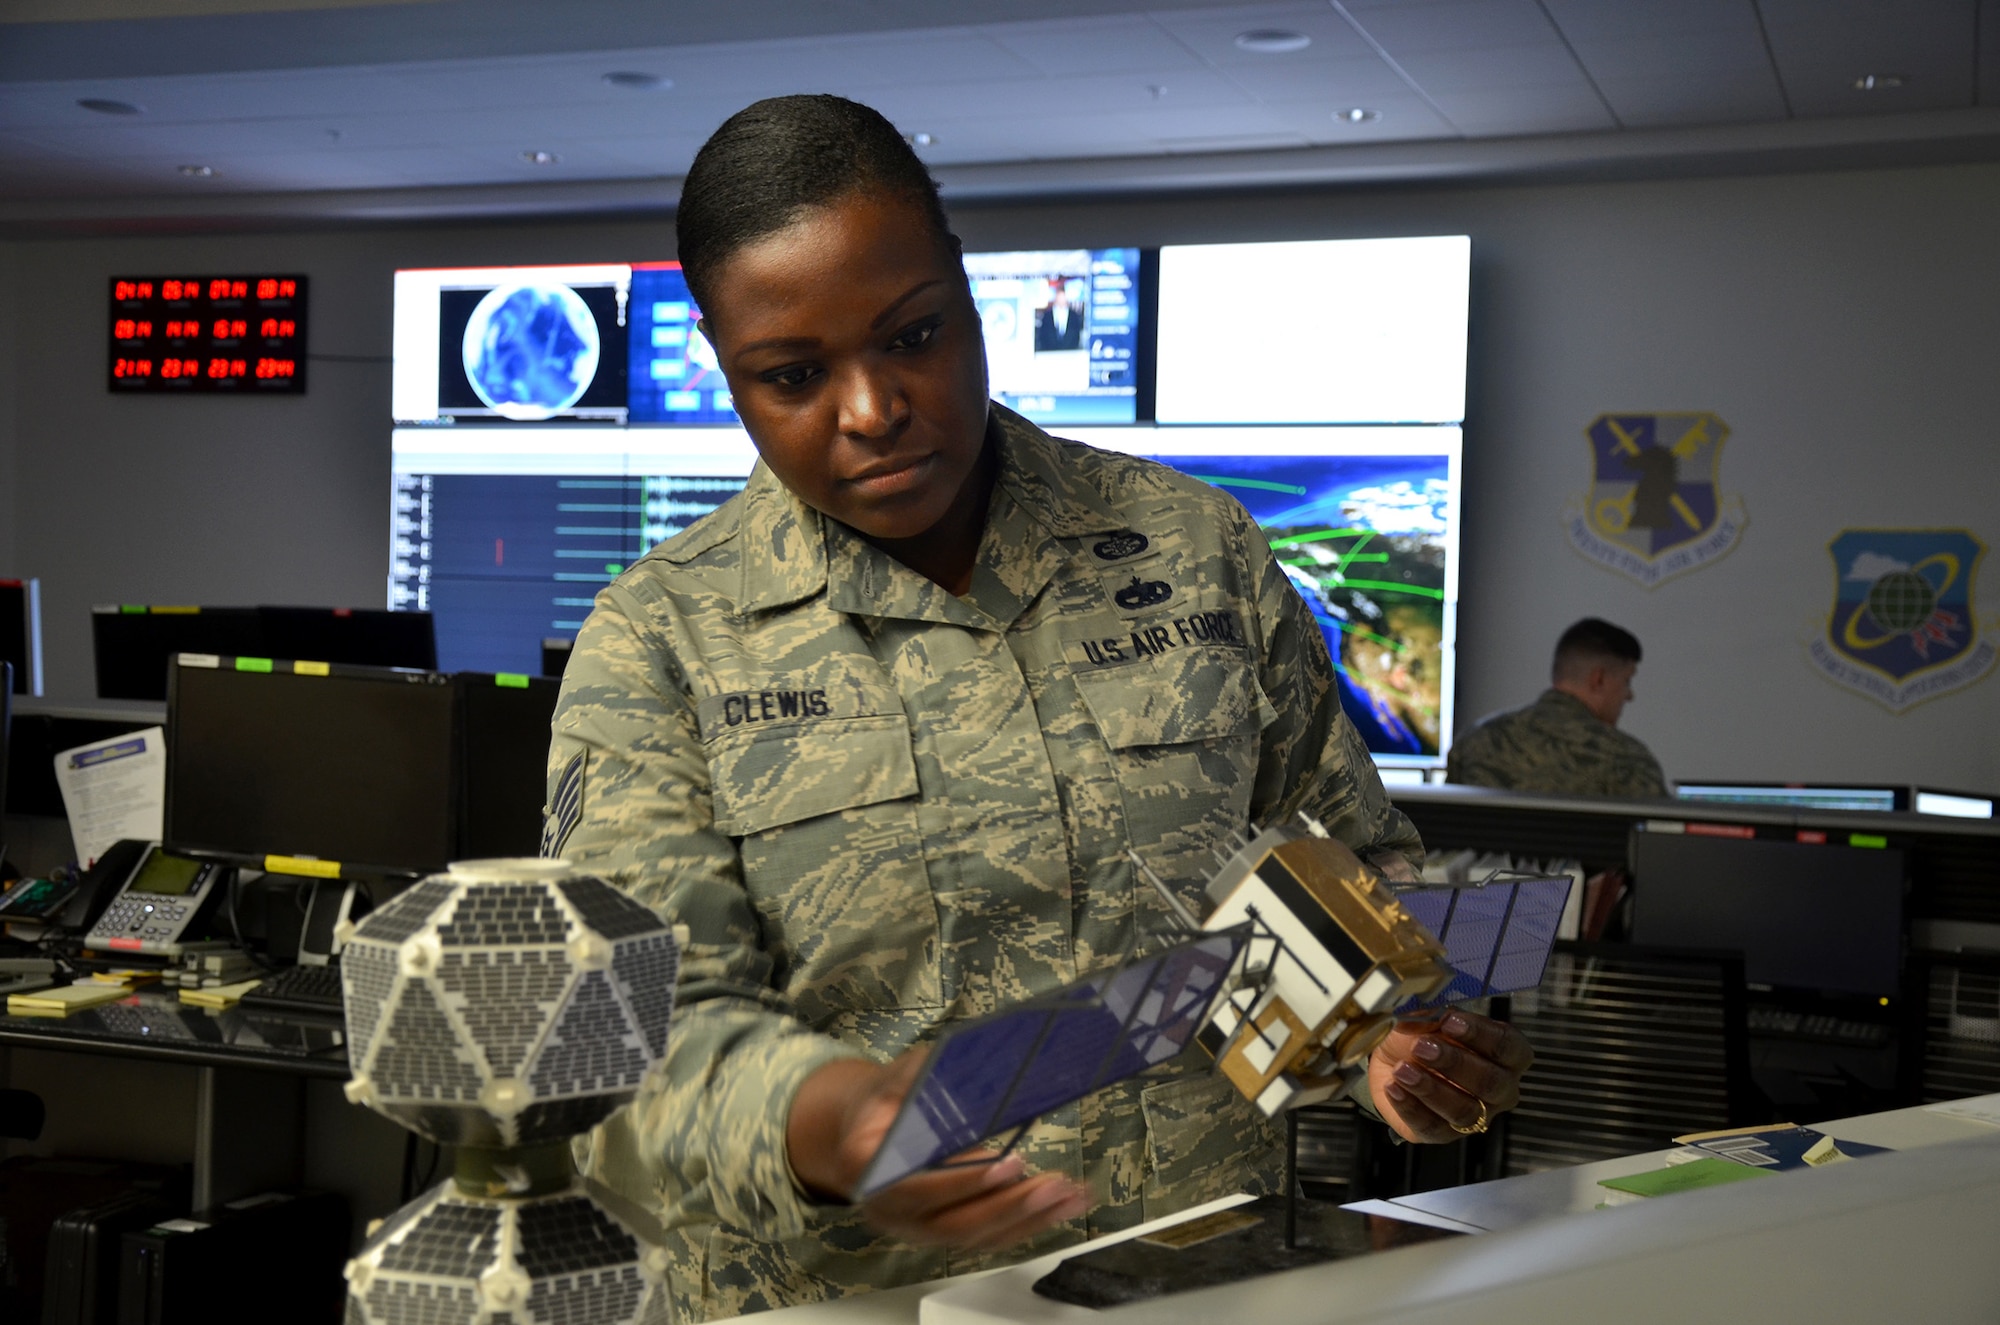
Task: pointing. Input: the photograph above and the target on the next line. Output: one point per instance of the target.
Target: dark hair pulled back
(783, 156)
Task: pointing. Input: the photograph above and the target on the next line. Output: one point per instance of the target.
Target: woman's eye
(915, 337)
(796, 376)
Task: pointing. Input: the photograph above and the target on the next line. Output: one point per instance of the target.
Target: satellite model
(503, 1007)
(1293, 978)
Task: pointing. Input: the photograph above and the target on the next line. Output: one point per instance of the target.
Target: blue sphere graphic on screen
(531, 350)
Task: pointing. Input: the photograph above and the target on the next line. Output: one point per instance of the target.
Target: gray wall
(1844, 325)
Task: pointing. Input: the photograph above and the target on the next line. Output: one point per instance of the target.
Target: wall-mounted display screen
(1322, 331)
(511, 344)
(674, 376)
(203, 334)
(506, 538)
(1062, 331)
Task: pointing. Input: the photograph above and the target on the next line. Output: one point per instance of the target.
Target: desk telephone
(156, 904)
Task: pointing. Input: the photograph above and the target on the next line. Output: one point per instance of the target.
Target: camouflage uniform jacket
(1556, 744)
(881, 808)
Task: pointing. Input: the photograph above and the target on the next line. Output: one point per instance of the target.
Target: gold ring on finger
(1484, 1121)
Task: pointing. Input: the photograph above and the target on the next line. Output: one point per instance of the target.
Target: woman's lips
(893, 478)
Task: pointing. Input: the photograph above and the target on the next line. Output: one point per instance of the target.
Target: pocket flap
(1189, 695)
(768, 777)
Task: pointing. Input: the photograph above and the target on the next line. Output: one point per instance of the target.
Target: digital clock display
(243, 334)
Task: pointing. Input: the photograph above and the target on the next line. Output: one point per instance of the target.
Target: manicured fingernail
(1408, 1074)
(1455, 1024)
(1004, 1171)
(1429, 1050)
(1396, 1092)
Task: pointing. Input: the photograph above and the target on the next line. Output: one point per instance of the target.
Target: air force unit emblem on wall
(1655, 508)
(1902, 629)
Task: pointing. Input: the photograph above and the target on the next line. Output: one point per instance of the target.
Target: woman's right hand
(982, 1202)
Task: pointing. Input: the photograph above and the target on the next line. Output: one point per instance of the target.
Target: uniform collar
(792, 552)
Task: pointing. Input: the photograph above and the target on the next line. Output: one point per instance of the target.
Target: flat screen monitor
(21, 633)
(1364, 521)
(133, 645)
(522, 533)
(363, 636)
(504, 761)
(1812, 918)
(351, 764)
(673, 375)
(511, 344)
(1954, 804)
(1062, 330)
(1317, 331)
(1798, 795)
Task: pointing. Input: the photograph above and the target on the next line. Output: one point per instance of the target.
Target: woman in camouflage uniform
(880, 730)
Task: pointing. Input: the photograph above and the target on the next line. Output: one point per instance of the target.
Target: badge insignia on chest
(1143, 593)
(1125, 543)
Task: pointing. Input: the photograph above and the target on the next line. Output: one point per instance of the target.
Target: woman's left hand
(1442, 1080)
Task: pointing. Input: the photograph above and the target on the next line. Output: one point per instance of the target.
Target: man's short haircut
(776, 159)
(1592, 643)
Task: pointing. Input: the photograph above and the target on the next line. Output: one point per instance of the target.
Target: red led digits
(212, 319)
(277, 328)
(287, 289)
(132, 290)
(228, 328)
(270, 368)
(132, 368)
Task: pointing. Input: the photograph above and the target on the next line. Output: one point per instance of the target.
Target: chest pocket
(825, 814)
(1183, 730)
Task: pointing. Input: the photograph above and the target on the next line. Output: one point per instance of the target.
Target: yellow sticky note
(221, 996)
(1824, 1151)
(64, 999)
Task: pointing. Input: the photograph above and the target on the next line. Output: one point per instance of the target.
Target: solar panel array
(1496, 934)
(1002, 1072)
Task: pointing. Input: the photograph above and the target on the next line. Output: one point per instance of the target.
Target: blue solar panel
(1496, 934)
(1004, 1071)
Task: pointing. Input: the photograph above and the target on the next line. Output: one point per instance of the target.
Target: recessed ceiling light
(106, 106)
(1272, 41)
(1878, 82)
(198, 172)
(919, 139)
(1357, 115)
(540, 158)
(635, 81)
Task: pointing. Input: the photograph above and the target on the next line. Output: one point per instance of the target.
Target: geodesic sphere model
(506, 1003)
(559, 1259)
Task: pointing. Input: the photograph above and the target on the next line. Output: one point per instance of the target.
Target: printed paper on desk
(114, 789)
(1978, 1109)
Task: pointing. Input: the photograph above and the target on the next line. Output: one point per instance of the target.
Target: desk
(1748, 1250)
(266, 1109)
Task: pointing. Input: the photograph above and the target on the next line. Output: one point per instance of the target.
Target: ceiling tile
(1586, 21)
(1651, 56)
(1504, 112)
(1404, 116)
(1822, 46)
(1493, 69)
(1669, 99)
(1094, 46)
(1463, 25)
(1335, 82)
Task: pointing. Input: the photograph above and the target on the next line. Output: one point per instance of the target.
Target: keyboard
(1784, 1022)
(314, 989)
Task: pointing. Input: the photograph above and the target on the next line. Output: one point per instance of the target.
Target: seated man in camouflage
(1568, 741)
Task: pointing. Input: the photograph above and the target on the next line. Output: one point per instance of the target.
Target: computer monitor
(1817, 918)
(504, 761)
(1063, 331)
(1315, 331)
(555, 655)
(1954, 804)
(351, 764)
(362, 636)
(21, 633)
(1798, 795)
(133, 645)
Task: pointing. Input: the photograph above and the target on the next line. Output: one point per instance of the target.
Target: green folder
(1684, 1177)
